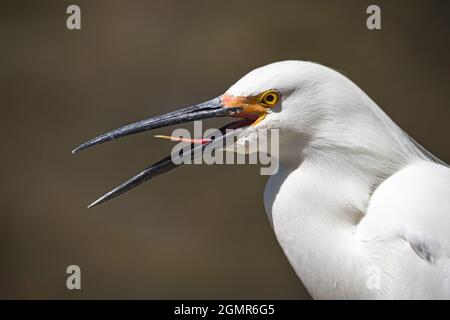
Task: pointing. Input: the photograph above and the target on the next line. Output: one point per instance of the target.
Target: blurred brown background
(200, 231)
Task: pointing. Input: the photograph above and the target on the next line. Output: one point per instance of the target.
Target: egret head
(312, 104)
(309, 103)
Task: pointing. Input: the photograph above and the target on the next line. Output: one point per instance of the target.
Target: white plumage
(359, 208)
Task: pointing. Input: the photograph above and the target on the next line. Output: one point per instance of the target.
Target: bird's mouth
(222, 106)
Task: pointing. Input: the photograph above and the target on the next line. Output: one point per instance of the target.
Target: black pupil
(270, 98)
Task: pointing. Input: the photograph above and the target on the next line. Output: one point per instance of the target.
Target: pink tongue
(179, 139)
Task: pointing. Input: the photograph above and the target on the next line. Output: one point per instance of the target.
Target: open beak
(209, 109)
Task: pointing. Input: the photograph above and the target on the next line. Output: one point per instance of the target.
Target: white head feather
(330, 117)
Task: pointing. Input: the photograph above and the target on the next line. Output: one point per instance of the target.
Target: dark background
(200, 231)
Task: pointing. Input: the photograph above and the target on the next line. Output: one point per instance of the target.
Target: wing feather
(406, 231)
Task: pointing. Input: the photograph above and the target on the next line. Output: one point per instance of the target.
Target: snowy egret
(358, 207)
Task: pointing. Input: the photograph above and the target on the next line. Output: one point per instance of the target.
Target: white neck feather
(320, 194)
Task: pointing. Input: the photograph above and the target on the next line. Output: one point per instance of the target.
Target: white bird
(359, 208)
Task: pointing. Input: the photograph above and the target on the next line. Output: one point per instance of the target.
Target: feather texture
(359, 208)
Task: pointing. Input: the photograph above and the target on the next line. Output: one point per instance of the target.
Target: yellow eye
(269, 98)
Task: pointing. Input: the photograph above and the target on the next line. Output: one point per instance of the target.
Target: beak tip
(103, 198)
(93, 204)
(77, 149)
